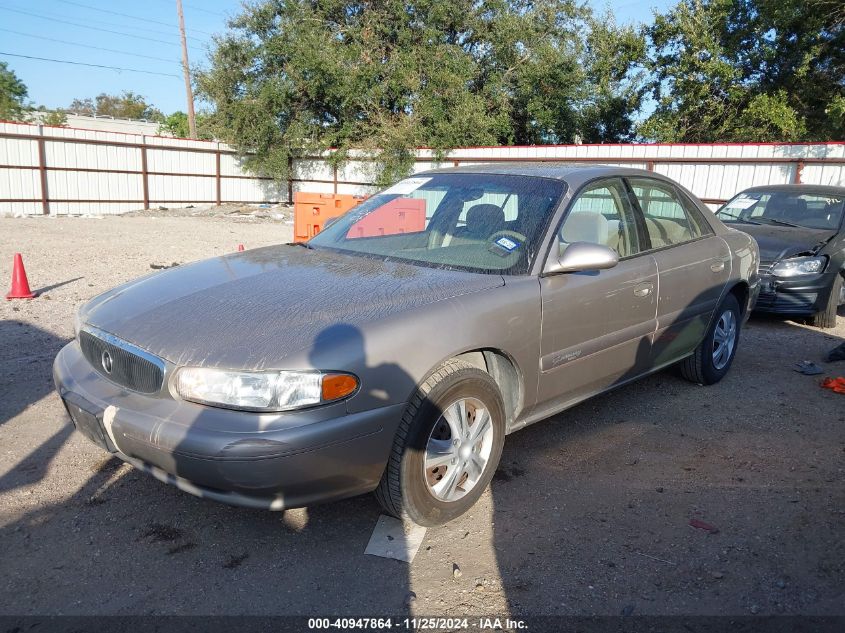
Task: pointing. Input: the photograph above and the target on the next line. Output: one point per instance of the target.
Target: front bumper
(271, 461)
(799, 296)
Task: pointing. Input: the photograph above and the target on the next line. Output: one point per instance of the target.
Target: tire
(827, 317)
(410, 491)
(702, 367)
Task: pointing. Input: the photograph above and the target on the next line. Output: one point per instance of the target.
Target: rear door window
(669, 218)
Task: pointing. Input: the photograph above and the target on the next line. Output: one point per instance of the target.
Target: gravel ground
(589, 513)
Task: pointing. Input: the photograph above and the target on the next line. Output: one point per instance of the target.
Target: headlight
(262, 391)
(796, 266)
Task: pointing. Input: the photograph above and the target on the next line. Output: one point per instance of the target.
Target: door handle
(718, 266)
(643, 290)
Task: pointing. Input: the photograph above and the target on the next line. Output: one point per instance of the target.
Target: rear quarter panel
(745, 261)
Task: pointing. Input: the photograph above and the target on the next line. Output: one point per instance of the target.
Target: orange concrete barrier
(400, 215)
(312, 210)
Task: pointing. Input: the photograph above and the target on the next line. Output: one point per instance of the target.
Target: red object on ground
(837, 385)
(240, 247)
(701, 525)
(20, 284)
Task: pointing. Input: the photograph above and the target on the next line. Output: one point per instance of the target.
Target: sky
(139, 37)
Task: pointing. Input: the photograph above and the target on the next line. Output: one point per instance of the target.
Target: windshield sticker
(507, 243)
(404, 187)
(743, 202)
(504, 246)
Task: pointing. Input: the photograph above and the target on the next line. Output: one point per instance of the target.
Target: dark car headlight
(797, 266)
(262, 390)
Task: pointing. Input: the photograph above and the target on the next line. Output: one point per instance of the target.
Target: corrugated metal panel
(18, 152)
(20, 183)
(716, 180)
(824, 175)
(187, 189)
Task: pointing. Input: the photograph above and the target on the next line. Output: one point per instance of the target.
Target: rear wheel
(447, 447)
(827, 317)
(713, 357)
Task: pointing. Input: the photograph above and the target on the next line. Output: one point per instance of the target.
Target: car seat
(584, 227)
(482, 221)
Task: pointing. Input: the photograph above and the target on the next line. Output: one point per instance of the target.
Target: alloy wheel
(458, 449)
(724, 339)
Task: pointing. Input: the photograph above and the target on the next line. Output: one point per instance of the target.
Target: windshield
(477, 222)
(786, 208)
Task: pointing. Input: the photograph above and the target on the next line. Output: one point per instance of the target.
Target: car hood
(777, 242)
(252, 309)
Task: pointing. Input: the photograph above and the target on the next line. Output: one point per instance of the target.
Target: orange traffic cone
(20, 284)
(240, 247)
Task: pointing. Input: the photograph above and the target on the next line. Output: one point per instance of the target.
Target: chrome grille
(130, 367)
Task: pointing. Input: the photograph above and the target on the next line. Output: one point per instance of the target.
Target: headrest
(485, 218)
(585, 227)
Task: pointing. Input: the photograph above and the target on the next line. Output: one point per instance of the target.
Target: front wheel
(827, 318)
(712, 359)
(447, 446)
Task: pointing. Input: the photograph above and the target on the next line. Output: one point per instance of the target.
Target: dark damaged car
(395, 350)
(800, 231)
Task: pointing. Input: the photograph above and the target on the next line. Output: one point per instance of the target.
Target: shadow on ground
(591, 513)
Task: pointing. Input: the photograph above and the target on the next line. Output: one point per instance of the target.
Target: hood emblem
(106, 361)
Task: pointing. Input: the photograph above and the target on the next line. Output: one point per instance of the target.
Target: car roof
(799, 189)
(572, 173)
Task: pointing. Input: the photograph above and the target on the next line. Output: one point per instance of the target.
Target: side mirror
(582, 256)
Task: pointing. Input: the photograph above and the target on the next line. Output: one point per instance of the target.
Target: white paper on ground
(392, 538)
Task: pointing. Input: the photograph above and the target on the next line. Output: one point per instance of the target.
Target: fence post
(290, 180)
(650, 165)
(799, 170)
(334, 178)
(42, 170)
(145, 184)
(217, 176)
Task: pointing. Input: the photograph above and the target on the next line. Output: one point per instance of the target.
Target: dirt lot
(589, 513)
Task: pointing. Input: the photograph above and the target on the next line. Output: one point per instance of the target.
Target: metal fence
(71, 171)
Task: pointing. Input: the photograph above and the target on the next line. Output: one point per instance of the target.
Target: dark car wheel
(447, 447)
(713, 357)
(827, 317)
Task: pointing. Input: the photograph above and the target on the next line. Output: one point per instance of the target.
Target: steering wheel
(512, 235)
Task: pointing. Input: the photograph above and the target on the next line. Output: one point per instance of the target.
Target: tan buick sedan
(395, 350)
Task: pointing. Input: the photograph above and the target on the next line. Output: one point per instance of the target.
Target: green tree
(176, 125)
(13, 94)
(57, 118)
(387, 76)
(616, 80)
(127, 105)
(746, 70)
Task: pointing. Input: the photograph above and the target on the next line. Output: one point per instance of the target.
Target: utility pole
(192, 124)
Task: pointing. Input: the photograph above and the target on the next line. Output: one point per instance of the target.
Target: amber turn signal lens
(338, 386)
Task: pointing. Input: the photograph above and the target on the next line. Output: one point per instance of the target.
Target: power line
(89, 20)
(85, 26)
(97, 48)
(197, 8)
(67, 61)
(125, 15)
